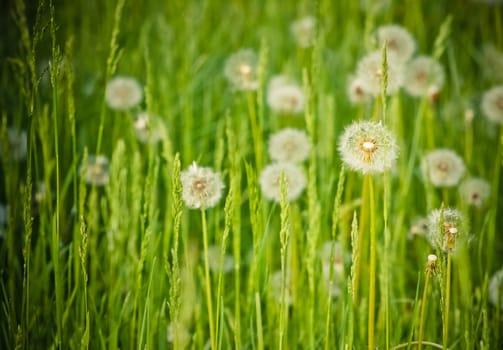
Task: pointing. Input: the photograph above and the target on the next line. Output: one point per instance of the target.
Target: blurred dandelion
(495, 289)
(368, 147)
(96, 171)
(285, 96)
(304, 31)
(442, 168)
(275, 288)
(289, 145)
(148, 128)
(399, 42)
(492, 104)
(17, 143)
(241, 70)
(475, 191)
(424, 76)
(201, 187)
(270, 180)
(356, 91)
(123, 93)
(214, 260)
(369, 71)
(333, 263)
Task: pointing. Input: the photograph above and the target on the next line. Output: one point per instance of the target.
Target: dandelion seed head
(123, 93)
(96, 171)
(275, 288)
(241, 70)
(284, 96)
(424, 76)
(399, 42)
(368, 147)
(495, 289)
(270, 180)
(201, 187)
(289, 145)
(369, 71)
(419, 227)
(17, 144)
(475, 191)
(492, 63)
(492, 104)
(442, 168)
(356, 91)
(214, 259)
(445, 226)
(148, 128)
(304, 31)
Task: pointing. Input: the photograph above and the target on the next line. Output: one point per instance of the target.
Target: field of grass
(103, 247)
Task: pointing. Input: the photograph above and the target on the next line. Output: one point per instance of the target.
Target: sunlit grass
(99, 247)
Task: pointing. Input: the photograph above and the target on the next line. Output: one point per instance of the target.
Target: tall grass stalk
(284, 236)
(372, 278)
(207, 281)
(445, 331)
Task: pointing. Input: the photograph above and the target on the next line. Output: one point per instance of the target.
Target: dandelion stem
(363, 214)
(447, 300)
(207, 280)
(423, 309)
(372, 291)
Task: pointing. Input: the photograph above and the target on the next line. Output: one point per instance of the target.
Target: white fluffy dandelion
(399, 41)
(368, 147)
(96, 171)
(270, 180)
(201, 187)
(370, 73)
(475, 191)
(123, 93)
(284, 96)
(241, 69)
(289, 145)
(423, 76)
(495, 289)
(148, 128)
(445, 227)
(443, 167)
(492, 104)
(304, 31)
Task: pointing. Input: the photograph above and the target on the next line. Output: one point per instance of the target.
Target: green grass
(117, 266)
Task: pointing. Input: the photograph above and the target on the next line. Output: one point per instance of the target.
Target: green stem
(363, 214)
(255, 129)
(447, 300)
(260, 333)
(207, 280)
(372, 288)
(422, 312)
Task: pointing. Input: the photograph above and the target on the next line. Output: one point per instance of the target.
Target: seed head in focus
(368, 147)
(201, 187)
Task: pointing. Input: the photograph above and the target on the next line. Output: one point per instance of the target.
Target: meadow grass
(126, 265)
